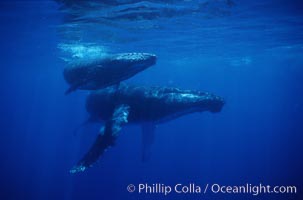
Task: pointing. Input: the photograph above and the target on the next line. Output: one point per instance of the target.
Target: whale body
(143, 105)
(100, 72)
(151, 104)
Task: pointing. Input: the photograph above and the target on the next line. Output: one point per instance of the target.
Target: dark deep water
(250, 53)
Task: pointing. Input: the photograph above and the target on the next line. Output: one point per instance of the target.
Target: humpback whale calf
(140, 104)
(101, 72)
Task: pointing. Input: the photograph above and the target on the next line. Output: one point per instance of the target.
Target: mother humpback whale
(140, 104)
(100, 72)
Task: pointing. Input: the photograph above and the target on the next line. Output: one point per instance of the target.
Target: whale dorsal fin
(148, 137)
(75, 86)
(106, 138)
(72, 88)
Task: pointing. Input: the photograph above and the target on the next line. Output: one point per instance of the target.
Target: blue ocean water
(248, 52)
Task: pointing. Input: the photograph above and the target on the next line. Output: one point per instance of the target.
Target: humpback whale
(142, 105)
(101, 72)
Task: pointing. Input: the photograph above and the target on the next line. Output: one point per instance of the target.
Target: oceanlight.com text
(253, 189)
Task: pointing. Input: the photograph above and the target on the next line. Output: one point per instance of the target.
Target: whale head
(136, 61)
(216, 103)
(195, 101)
(210, 102)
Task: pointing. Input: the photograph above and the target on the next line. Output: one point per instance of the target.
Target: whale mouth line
(139, 67)
(179, 114)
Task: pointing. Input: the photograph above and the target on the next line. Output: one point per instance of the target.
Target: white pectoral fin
(119, 118)
(148, 137)
(106, 138)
